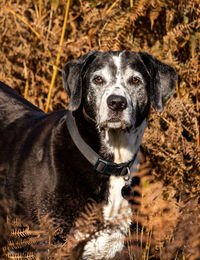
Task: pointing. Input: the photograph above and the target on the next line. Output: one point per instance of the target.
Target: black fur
(45, 172)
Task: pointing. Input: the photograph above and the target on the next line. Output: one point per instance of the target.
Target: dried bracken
(31, 48)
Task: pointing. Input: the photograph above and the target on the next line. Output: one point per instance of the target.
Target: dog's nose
(116, 103)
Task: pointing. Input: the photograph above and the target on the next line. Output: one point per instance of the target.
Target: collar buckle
(108, 168)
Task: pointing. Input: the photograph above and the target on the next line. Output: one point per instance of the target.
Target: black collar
(100, 165)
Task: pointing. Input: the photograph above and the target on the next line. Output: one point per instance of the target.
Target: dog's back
(16, 114)
(24, 149)
(13, 106)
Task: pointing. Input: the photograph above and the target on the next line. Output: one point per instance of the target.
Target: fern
(168, 30)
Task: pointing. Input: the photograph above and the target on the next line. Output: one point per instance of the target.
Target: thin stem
(40, 8)
(23, 20)
(55, 68)
(111, 7)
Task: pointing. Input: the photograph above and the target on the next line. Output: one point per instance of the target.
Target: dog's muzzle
(116, 105)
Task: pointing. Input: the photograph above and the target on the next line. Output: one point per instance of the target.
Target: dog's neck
(114, 145)
(123, 145)
(91, 136)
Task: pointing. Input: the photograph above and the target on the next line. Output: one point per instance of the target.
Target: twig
(111, 7)
(198, 132)
(50, 24)
(130, 252)
(27, 81)
(55, 69)
(177, 89)
(150, 233)
(40, 8)
(26, 88)
(198, 113)
(39, 14)
(168, 122)
(23, 20)
(147, 247)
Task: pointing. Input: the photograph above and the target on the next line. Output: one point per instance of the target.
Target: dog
(54, 163)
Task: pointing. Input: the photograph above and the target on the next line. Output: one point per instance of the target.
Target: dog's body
(110, 95)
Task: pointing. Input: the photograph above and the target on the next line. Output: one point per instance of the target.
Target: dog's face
(115, 89)
(116, 92)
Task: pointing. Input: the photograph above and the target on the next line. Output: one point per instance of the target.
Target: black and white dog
(54, 163)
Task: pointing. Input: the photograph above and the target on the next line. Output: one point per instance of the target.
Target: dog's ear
(163, 80)
(72, 78)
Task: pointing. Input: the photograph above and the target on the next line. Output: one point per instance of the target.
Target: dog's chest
(117, 218)
(117, 205)
(116, 212)
(123, 149)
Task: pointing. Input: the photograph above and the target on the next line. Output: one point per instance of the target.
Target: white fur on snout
(126, 114)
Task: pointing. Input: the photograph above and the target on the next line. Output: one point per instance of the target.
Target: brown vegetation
(32, 51)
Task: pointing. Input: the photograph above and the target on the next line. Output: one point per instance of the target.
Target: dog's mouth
(115, 124)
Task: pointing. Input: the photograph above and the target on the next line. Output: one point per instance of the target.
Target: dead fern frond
(168, 30)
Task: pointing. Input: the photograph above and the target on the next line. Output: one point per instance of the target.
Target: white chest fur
(117, 211)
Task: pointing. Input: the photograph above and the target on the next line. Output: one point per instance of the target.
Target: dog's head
(116, 88)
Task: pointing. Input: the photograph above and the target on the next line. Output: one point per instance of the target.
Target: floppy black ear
(163, 80)
(72, 78)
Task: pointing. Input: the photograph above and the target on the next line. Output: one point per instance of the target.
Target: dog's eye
(133, 81)
(98, 80)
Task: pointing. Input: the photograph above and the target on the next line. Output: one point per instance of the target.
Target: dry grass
(33, 50)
